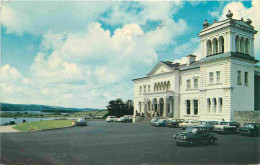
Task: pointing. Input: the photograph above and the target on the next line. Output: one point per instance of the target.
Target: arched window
(221, 44)
(208, 104)
(161, 86)
(215, 46)
(209, 48)
(214, 100)
(237, 43)
(158, 86)
(154, 87)
(168, 85)
(247, 46)
(164, 85)
(242, 45)
(220, 101)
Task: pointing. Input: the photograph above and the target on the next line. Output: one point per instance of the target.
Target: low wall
(247, 116)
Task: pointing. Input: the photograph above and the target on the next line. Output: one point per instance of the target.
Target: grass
(42, 125)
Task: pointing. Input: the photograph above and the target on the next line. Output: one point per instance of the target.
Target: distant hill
(43, 108)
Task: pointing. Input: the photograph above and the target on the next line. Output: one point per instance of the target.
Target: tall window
(218, 76)
(144, 89)
(246, 78)
(140, 90)
(196, 84)
(211, 77)
(239, 77)
(188, 84)
(154, 87)
(196, 108)
(188, 106)
(149, 88)
(220, 104)
(215, 105)
(208, 104)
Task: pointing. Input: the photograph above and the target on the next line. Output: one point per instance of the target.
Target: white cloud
(192, 47)
(8, 73)
(214, 14)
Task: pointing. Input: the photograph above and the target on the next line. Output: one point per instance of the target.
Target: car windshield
(213, 123)
(249, 125)
(223, 123)
(160, 120)
(186, 122)
(194, 121)
(202, 122)
(192, 130)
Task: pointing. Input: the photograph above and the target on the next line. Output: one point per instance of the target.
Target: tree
(120, 108)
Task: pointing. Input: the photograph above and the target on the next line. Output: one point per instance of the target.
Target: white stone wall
(188, 94)
(242, 95)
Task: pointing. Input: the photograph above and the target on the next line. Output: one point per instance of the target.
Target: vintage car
(111, 119)
(226, 127)
(126, 119)
(250, 129)
(80, 122)
(160, 123)
(188, 123)
(194, 136)
(209, 124)
(174, 122)
(155, 119)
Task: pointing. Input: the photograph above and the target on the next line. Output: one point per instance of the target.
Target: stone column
(144, 110)
(165, 114)
(176, 106)
(158, 107)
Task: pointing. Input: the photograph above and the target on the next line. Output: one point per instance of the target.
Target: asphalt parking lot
(121, 143)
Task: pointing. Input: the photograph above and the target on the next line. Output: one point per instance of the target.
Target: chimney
(190, 59)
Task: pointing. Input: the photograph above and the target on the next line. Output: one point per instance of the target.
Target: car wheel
(211, 141)
(177, 144)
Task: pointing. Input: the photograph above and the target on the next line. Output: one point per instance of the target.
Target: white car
(188, 123)
(111, 119)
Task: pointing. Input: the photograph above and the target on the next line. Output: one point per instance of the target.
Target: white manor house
(224, 80)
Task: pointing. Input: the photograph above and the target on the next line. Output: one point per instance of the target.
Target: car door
(205, 134)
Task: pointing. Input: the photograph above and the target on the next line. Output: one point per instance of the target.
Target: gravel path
(8, 128)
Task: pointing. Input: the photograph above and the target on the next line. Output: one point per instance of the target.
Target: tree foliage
(120, 108)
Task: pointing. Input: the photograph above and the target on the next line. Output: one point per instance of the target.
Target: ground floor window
(188, 106)
(196, 108)
(208, 104)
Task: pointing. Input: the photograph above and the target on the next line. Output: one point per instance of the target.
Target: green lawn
(42, 125)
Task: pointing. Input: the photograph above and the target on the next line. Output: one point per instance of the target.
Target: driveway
(121, 143)
(8, 128)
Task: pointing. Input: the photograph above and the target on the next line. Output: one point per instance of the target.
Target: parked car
(111, 119)
(160, 123)
(250, 129)
(188, 123)
(226, 127)
(194, 136)
(172, 122)
(155, 118)
(209, 124)
(128, 118)
(120, 119)
(80, 122)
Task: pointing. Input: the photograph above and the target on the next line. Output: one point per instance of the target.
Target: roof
(228, 22)
(228, 54)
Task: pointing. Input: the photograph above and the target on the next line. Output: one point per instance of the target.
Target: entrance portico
(158, 105)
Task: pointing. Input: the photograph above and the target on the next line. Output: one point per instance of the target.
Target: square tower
(227, 68)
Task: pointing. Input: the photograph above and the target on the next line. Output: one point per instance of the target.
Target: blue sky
(83, 54)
